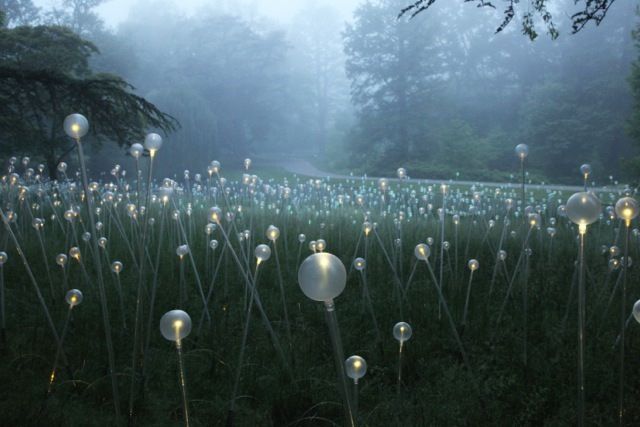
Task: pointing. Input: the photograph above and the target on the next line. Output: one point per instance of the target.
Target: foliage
(469, 91)
(34, 100)
(535, 10)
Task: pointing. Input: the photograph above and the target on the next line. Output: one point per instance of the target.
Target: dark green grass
(437, 388)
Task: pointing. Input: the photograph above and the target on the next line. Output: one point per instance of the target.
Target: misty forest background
(441, 94)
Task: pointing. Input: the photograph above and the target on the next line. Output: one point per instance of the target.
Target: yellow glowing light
(357, 364)
(177, 324)
(75, 128)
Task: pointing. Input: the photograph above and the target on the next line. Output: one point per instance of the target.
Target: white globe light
(175, 325)
(355, 367)
(76, 125)
(583, 208)
(322, 276)
(263, 253)
(152, 142)
(402, 331)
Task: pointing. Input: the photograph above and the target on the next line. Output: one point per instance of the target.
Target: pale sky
(116, 11)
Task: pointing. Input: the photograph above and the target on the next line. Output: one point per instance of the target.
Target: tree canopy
(44, 76)
(533, 11)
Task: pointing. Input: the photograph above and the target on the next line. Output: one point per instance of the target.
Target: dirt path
(305, 168)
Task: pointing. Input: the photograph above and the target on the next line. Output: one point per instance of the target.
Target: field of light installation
(304, 302)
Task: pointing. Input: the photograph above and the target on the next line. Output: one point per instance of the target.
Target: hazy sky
(116, 11)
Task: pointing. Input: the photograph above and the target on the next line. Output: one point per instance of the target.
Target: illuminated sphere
(213, 244)
(301, 238)
(61, 260)
(153, 142)
(215, 214)
(402, 173)
(502, 255)
(182, 250)
(585, 169)
(263, 252)
(247, 163)
(355, 367)
(3, 257)
(321, 245)
(136, 150)
(402, 331)
(636, 311)
(422, 251)
(74, 252)
(627, 208)
(614, 264)
(322, 276)
(62, 167)
(273, 233)
(522, 151)
(175, 325)
(473, 264)
(383, 183)
(116, 267)
(209, 228)
(359, 264)
(76, 125)
(73, 297)
(583, 208)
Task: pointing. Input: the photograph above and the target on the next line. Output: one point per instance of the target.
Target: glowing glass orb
(422, 251)
(359, 264)
(61, 260)
(355, 367)
(74, 252)
(301, 238)
(473, 264)
(247, 163)
(136, 150)
(62, 167)
(636, 311)
(627, 208)
(213, 244)
(86, 236)
(322, 276)
(583, 208)
(152, 142)
(3, 257)
(76, 125)
(209, 229)
(402, 173)
(402, 332)
(116, 267)
(522, 151)
(502, 255)
(175, 325)
(215, 214)
(383, 183)
(263, 253)
(273, 233)
(321, 245)
(73, 297)
(182, 250)
(551, 231)
(534, 219)
(614, 264)
(585, 169)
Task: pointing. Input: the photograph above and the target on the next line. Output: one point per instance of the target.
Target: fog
(352, 88)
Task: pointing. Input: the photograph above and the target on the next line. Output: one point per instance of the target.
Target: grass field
(299, 386)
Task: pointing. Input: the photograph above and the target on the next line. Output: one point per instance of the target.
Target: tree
(34, 100)
(19, 12)
(592, 10)
(395, 70)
